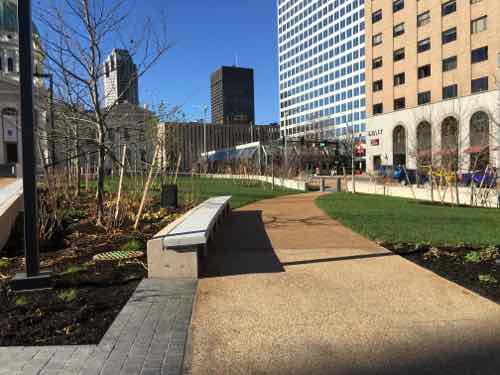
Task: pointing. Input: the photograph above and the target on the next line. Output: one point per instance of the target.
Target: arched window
(399, 146)
(424, 144)
(449, 144)
(479, 140)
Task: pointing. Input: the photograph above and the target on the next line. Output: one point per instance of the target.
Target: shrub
(487, 279)
(134, 245)
(4, 263)
(67, 295)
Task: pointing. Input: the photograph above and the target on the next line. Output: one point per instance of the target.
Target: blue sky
(207, 34)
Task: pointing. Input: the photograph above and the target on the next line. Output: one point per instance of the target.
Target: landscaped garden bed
(88, 293)
(460, 244)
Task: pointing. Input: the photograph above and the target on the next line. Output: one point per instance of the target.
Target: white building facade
(426, 135)
(322, 67)
(10, 121)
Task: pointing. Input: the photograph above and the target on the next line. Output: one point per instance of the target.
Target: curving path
(291, 291)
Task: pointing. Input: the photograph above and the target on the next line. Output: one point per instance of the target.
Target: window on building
(479, 24)
(397, 5)
(424, 71)
(399, 54)
(399, 29)
(450, 91)
(449, 7)
(475, 1)
(424, 97)
(10, 64)
(399, 103)
(479, 54)
(377, 16)
(424, 45)
(377, 62)
(449, 35)
(449, 64)
(399, 79)
(423, 18)
(377, 39)
(378, 108)
(378, 85)
(479, 85)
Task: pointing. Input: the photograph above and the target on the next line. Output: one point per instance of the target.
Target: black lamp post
(33, 278)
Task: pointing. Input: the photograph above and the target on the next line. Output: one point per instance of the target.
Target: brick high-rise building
(432, 83)
(232, 96)
(120, 81)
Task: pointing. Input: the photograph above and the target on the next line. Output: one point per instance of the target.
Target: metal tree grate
(118, 255)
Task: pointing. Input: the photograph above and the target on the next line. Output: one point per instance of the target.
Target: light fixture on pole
(204, 109)
(33, 278)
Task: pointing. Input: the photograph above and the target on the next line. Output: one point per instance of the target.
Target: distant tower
(232, 96)
(121, 80)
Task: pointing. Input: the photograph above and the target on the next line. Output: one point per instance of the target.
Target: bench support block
(171, 264)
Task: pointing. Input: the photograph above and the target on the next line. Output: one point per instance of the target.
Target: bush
(134, 245)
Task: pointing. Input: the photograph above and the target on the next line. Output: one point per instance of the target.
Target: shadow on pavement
(337, 259)
(241, 246)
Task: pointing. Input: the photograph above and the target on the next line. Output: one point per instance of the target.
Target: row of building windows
(337, 86)
(478, 55)
(313, 74)
(297, 34)
(339, 38)
(447, 7)
(343, 52)
(315, 37)
(293, 25)
(449, 92)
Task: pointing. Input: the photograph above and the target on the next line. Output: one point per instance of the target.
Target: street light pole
(33, 278)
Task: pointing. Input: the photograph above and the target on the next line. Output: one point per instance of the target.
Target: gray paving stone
(147, 338)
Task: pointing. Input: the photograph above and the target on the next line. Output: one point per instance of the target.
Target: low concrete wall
(278, 181)
(11, 204)
(421, 193)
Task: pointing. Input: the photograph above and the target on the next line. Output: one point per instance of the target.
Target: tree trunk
(100, 179)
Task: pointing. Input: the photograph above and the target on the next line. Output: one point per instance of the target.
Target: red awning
(446, 151)
(476, 149)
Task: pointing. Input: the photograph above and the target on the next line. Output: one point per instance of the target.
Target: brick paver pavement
(290, 291)
(147, 338)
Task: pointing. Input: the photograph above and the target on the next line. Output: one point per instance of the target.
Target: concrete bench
(175, 251)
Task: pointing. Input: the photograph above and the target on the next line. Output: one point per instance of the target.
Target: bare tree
(81, 33)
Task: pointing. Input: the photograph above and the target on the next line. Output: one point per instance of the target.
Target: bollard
(322, 185)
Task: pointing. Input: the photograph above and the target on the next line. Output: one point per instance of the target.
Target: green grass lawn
(395, 220)
(198, 189)
(242, 193)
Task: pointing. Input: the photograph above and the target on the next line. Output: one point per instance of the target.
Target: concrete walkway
(290, 291)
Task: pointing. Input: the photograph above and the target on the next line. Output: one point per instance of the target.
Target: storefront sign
(375, 142)
(374, 133)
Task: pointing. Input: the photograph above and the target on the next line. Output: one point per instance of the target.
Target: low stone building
(188, 139)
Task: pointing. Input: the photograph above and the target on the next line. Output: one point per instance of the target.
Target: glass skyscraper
(322, 67)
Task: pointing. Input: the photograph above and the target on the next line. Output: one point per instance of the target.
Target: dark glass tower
(232, 96)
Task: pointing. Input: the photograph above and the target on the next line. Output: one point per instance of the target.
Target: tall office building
(432, 73)
(322, 67)
(232, 96)
(120, 81)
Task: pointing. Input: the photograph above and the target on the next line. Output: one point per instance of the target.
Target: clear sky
(206, 35)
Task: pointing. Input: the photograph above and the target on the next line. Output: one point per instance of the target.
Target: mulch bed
(86, 296)
(474, 268)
